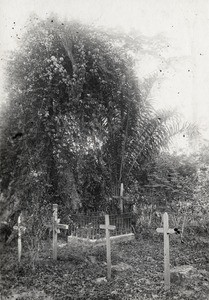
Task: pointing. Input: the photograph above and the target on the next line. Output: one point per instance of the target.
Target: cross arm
(48, 225)
(120, 197)
(170, 231)
(110, 227)
(62, 226)
(21, 228)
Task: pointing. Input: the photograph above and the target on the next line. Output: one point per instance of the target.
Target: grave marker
(56, 229)
(166, 231)
(107, 228)
(121, 197)
(20, 229)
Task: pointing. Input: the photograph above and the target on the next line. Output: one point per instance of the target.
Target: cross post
(56, 229)
(121, 197)
(20, 229)
(166, 231)
(107, 228)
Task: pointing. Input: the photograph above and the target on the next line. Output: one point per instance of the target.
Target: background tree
(75, 110)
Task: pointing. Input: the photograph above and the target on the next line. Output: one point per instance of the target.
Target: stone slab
(101, 242)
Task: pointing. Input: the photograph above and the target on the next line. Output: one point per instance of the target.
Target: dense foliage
(77, 124)
(177, 184)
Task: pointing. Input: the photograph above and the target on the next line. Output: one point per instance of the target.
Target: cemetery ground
(137, 270)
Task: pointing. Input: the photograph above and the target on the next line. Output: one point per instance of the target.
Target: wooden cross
(166, 231)
(108, 227)
(121, 197)
(20, 229)
(56, 229)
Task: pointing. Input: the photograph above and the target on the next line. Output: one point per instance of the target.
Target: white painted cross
(56, 229)
(108, 227)
(121, 197)
(166, 231)
(20, 229)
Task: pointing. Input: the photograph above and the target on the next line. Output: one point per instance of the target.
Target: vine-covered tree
(77, 123)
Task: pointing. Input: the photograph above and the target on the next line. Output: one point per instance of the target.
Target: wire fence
(88, 226)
